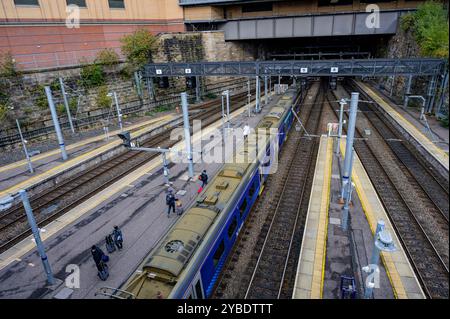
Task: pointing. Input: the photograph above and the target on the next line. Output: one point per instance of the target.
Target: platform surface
(440, 155)
(310, 269)
(400, 272)
(136, 203)
(15, 176)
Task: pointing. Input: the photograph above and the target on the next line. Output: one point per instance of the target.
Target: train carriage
(190, 258)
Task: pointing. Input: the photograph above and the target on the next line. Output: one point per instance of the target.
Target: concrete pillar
(59, 135)
(66, 104)
(37, 237)
(187, 134)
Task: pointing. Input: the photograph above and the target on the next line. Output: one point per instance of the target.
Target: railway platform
(49, 165)
(136, 203)
(328, 253)
(418, 136)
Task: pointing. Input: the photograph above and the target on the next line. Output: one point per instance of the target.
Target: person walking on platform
(246, 131)
(100, 260)
(170, 201)
(204, 178)
(118, 238)
(110, 247)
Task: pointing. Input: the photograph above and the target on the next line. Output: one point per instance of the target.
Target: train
(189, 259)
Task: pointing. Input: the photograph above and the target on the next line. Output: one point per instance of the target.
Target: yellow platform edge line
(411, 128)
(25, 246)
(69, 164)
(322, 231)
(391, 271)
(79, 144)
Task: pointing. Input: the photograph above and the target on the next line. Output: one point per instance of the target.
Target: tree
(8, 66)
(107, 57)
(138, 47)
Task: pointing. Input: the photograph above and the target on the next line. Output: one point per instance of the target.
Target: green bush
(73, 105)
(444, 121)
(103, 100)
(430, 26)
(3, 111)
(107, 57)
(8, 66)
(138, 48)
(40, 98)
(92, 75)
(60, 109)
(211, 95)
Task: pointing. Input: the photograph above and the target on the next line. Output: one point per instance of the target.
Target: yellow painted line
(435, 151)
(311, 266)
(68, 164)
(80, 143)
(374, 211)
(57, 225)
(322, 232)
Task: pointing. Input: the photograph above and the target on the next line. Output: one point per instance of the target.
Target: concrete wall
(289, 8)
(38, 37)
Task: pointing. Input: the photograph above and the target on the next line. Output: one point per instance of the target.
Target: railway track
(270, 269)
(52, 203)
(425, 250)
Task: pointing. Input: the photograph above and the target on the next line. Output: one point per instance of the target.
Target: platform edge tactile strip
(412, 130)
(309, 280)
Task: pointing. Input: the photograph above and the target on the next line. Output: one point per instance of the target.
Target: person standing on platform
(246, 131)
(204, 178)
(170, 201)
(100, 260)
(118, 238)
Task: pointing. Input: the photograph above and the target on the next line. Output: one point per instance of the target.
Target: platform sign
(303, 70)
(334, 70)
(187, 71)
(158, 71)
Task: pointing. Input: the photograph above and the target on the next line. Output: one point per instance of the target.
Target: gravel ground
(237, 271)
(17, 154)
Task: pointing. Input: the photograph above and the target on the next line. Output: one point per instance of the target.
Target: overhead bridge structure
(301, 68)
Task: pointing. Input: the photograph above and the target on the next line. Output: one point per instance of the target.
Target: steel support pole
(375, 258)
(187, 134)
(266, 95)
(441, 98)
(341, 115)
(151, 93)
(30, 166)
(348, 197)
(430, 95)
(408, 92)
(119, 111)
(37, 237)
(270, 84)
(138, 84)
(166, 168)
(348, 160)
(59, 135)
(257, 89)
(198, 98)
(223, 119)
(227, 94)
(66, 104)
(249, 97)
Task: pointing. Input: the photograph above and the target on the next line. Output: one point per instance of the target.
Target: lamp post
(382, 242)
(30, 166)
(6, 203)
(342, 102)
(119, 111)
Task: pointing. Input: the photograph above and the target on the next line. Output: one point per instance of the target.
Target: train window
(257, 7)
(218, 253)
(26, 2)
(232, 228)
(252, 189)
(199, 290)
(243, 207)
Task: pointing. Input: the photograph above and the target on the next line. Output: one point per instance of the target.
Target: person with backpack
(110, 247)
(170, 201)
(100, 260)
(118, 238)
(204, 178)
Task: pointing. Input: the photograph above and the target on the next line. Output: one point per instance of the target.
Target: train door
(197, 288)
